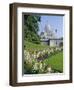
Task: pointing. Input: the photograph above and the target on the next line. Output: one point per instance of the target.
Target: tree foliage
(31, 28)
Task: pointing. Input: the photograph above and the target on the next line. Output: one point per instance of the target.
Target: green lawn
(56, 61)
(32, 46)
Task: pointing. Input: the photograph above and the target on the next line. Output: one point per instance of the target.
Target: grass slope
(32, 46)
(56, 61)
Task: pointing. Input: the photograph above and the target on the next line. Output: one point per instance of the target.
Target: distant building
(49, 37)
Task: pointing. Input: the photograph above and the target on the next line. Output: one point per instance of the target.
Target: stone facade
(52, 42)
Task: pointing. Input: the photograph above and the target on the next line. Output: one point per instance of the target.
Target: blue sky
(56, 22)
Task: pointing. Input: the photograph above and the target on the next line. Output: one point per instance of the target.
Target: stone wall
(52, 42)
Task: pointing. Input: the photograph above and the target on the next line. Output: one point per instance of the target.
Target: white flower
(40, 65)
(27, 56)
(38, 54)
(43, 51)
(49, 69)
(34, 56)
(58, 49)
(49, 52)
(52, 51)
(35, 66)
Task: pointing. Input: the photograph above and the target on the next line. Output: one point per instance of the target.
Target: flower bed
(34, 60)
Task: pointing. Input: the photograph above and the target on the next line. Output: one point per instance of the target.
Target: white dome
(48, 28)
(49, 31)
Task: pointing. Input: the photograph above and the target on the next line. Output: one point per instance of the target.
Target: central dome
(48, 32)
(48, 28)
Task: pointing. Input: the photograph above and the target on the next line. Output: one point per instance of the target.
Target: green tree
(31, 28)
